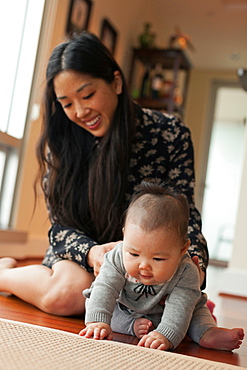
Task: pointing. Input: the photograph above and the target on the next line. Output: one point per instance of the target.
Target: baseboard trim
(218, 263)
(234, 282)
(232, 296)
(33, 247)
(13, 236)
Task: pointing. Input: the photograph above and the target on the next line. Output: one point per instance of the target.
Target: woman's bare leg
(57, 291)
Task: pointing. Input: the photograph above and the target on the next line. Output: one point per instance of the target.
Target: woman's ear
(118, 82)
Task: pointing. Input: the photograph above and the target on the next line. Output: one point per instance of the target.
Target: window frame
(9, 145)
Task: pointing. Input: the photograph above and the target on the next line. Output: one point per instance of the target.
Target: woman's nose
(81, 111)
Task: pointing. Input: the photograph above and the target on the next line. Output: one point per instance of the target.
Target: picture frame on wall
(79, 14)
(108, 35)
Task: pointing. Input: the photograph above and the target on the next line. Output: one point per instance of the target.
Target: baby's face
(151, 257)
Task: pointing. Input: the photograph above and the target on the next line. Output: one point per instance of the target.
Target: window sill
(13, 236)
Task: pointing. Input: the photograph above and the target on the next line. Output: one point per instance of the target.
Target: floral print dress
(162, 149)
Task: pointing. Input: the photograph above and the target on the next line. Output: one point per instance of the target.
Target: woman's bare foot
(142, 327)
(7, 263)
(221, 338)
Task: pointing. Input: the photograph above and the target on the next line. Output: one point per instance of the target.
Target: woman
(96, 147)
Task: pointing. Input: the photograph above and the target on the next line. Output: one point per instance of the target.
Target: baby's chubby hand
(155, 340)
(97, 330)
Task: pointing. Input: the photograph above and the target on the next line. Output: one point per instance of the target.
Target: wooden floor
(231, 312)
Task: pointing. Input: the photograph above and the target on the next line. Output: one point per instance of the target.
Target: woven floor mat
(26, 346)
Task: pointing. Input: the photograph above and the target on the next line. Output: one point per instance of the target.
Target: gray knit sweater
(182, 293)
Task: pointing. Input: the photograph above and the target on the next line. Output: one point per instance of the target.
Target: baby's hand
(155, 340)
(97, 330)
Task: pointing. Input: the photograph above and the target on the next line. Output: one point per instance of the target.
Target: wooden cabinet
(175, 68)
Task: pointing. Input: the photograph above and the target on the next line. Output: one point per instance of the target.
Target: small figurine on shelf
(178, 97)
(167, 88)
(146, 83)
(147, 38)
(180, 40)
(157, 82)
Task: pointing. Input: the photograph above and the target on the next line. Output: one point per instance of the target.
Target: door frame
(215, 85)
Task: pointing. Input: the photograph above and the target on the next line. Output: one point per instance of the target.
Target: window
(20, 24)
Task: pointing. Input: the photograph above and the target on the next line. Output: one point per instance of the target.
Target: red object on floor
(211, 306)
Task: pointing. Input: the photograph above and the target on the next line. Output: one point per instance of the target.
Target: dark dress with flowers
(162, 149)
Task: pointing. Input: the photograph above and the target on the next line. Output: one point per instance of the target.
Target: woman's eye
(88, 96)
(67, 105)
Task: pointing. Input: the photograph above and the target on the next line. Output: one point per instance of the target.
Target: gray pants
(202, 320)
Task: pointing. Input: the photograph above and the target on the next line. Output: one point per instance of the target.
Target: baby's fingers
(83, 332)
(87, 332)
(103, 334)
(97, 333)
(149, 342)
(142, 342)
(162, 347)
(109, 336)
(157, 344)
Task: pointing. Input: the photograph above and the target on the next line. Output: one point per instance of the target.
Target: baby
(148, 285)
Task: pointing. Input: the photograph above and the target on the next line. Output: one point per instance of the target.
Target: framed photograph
(108, 35)
(78, 18)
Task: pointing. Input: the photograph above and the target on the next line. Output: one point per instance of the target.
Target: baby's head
(156, 206)
(155, 232)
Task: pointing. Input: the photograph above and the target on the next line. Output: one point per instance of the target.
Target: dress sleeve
(180, 171)
(71, 244)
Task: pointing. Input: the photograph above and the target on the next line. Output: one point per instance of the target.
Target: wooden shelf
(166, 57)
(174, 60)
(158, 104)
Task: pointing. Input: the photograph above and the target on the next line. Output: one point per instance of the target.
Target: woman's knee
(64, 297)
(64, 301)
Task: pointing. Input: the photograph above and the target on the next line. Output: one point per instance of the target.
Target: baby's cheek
(131, 269)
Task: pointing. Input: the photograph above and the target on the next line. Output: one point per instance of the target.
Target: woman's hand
(195, 259)
(96, 255)
(155, 340)
(97, 330)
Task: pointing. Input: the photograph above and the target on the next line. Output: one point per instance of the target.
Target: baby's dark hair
(155, 206)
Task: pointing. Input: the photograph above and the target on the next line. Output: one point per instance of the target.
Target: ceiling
(216, 28)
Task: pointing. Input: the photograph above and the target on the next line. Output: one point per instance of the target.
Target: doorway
(224, 169)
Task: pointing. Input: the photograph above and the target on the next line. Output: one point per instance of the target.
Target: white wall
(234, 278)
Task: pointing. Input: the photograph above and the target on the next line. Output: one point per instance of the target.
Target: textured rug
(26, 346)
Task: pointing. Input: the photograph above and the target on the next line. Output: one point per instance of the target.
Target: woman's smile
(94, 123)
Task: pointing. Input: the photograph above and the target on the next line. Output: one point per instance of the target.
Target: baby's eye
(134, 254)
(88, 96)
(159, 259)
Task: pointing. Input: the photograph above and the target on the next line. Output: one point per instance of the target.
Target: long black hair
(86, 183)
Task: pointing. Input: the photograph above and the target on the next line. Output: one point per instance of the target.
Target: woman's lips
(94, 123)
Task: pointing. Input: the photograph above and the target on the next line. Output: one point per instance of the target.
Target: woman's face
(87, 101)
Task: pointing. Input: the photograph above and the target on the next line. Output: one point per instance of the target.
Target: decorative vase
(146, 39)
